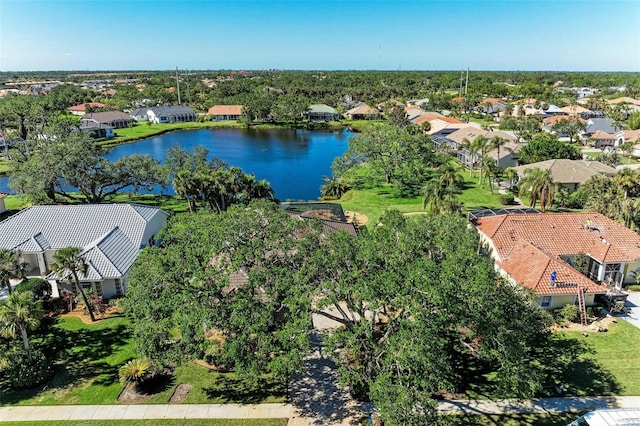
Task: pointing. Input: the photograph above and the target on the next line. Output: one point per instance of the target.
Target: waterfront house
(225, 112)
(363, 112)
(164, 114)
(321, 113)
(114, 119)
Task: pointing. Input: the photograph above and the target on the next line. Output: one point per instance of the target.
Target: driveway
(633, 302)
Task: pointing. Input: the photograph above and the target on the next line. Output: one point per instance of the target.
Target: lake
(293, 161)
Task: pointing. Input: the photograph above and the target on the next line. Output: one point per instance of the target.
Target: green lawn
(161, 422)
(87, 358)
(611, 364)
(373, 202)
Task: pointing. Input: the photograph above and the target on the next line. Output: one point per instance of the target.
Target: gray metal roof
(110, 234)
(603, 124)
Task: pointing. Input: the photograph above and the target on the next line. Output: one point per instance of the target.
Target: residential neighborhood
(499, 228)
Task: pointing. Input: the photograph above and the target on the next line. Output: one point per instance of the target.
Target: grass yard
(160, 422)
(611, 365)
(144, 130)
(373, 202)
(87, 358)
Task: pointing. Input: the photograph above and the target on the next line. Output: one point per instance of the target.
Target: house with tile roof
(363, 112)
(110, 236)
(539, 251)
(491, 105)
(569, 174)
(81, 109)
(225, 112)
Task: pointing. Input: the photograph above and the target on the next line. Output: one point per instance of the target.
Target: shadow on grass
(155, 384)
(566, 361)
(229, 389)
(76, 355)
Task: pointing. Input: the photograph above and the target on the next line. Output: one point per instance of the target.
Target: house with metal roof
(321, 113)
(114, 119)
(110, 236)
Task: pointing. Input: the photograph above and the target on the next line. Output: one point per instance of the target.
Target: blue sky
(585, 35)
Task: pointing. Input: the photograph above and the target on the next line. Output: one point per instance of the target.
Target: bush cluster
(507, 199)
(22, 373)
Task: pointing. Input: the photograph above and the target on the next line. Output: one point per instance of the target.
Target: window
(545, 301)
(118, 286)
(98, 287)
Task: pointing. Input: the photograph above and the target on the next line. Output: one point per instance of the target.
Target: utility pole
(466, 86)
(178, 84)
(188, 91)
(461, 80)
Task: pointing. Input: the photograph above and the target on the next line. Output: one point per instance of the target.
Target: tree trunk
(25, 340)
(84, 296)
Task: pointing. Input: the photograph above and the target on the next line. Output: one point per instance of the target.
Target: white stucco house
(110, 237)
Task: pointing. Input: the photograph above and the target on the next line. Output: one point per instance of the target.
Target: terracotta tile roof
(364, 109)
(225, 110)
(599, 134)
(574, 109)
(491, 100)
(551, 121)
(557, 234)
(458, 99)
(624, 99)
(83, 107)
(531, 268)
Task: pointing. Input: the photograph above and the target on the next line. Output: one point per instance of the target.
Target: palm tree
(439, 198)
(11, 267)
(68, 260)
(490, 168)
(497, 142)
(450, 176)
(627, 179)
(20, 313)
(480, 144)
(538, 185)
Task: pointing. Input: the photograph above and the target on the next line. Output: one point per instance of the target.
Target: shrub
(507, 199)
(134, 370)
(22, 373)
(568, 313)
(634, 287)
(40, 288)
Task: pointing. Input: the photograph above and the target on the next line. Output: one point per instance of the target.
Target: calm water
(293, 161)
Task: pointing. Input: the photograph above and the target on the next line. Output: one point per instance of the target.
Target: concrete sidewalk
(541, 405)
(152, 411)
(285, 411)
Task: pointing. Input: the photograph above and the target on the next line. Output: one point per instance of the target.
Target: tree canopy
(545, 146)
(420, 304)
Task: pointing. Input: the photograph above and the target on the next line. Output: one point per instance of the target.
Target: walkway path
(152, 411)
(302, 414)
(633, 303)
(316, 397)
